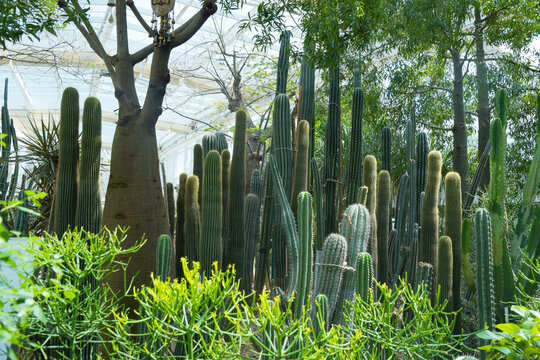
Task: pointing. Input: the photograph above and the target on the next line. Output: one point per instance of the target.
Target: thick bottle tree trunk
(483, 110)
(460, 161)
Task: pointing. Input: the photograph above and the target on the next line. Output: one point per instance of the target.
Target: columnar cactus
(163, 257)
(331, 269)
(466, 244)
(362, 195)
(307, 102)
(198, 161)
(266, 233)
(300, 180)
(332, 156)
(252, 216)
(180, 219)
(318, 192)
(354, 176)
(386, 136)
(402, 202)
(170, 206)
(4, 166)
(484, 273)
(452, 228)
(382, 207)
(444, 273)
(68, 159)
(209, 142)
(321, 315)
(424, 275)
(429, 236)
(364, 275)
(355, 228)
(283, 63)
(422, 148)
(192, 219)
(225, 181)
(88, 214)
(533, 252)
(370, 180)
(210, 245)
(234, 250)
(497, 194)
(305, 252)
(221, 142)
(256, 184)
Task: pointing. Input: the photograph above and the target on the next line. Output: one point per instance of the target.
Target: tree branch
(434, 127)
(183, 33)
(121, 29)
(139, 17)
(196, 120)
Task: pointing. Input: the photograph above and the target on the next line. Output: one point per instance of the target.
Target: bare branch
(183, 33)
(194, 119)
(139, 17)
(435, 127)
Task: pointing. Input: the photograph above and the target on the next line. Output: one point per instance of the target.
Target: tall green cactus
(452, 228)
(180, 219)
(318, 192)
(370, 180)
(198, 162)
(209, 142)
(210, 245)
(234, 250)
(332, 156)
(192, 219)
(484, 273)
(497, 194)
(465, 249)
(6, 149)
(331, 269)
(68, 160)
(355, 228)
(263, 250)
(221, 142)
(321, 315)
(225, 181)
(533, 252)
(307, 101)
(424, 275)
(386, 136)
(305, 252)
(382, 207)
(444, 273)
(283, 63)
(256, 184)
(170, 206)
(429, 235)
(354, 176)
(364, 275)
(422, 148)
(163, 257)
(300, 179)
(252, 216)
(88, 214)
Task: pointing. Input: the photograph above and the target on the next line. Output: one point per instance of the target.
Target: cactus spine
(331, 269)
(364, 275)
(170, 206)
(234, 251)
(300, 180)
(452, 228)
(210, 245)
(163, 257)
(68, 159)
(354, 177)
(332, 156)
(383, 220)
(429, 235)
(180, 219)
(305, 252)
(484, 273)
(444, 273)
(88, 214)
(192, 218)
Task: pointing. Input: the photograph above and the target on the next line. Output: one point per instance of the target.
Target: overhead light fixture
(111, 3)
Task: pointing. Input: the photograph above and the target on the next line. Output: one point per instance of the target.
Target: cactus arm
(163, 254)
(444, 273)
(305, 253)
(300, 179)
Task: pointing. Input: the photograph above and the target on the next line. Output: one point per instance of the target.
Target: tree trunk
(483, 110)
(460, 161)
(135, 199)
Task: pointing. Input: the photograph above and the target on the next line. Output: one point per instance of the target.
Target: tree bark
(460, 161)
(483, 110)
